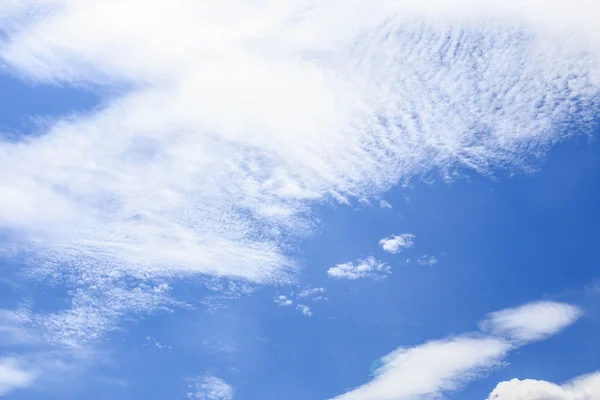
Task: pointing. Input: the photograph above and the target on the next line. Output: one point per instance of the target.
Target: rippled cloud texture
(236, 117)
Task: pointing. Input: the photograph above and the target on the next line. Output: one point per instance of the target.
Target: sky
(300, 199)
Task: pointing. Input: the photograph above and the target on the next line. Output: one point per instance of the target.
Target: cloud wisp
(431, 369)
(210, 388)
(232, 125)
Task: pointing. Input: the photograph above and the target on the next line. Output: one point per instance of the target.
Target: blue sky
(299, 200)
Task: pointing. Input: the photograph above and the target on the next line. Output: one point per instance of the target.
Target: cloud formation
(210, 388)
(304, 309)
(428, 370)
(586, 387)
(396, 243)
(230, 126)
(530, 322)
(364, 268)
(427, 260)
(283, 301)
(314, 293)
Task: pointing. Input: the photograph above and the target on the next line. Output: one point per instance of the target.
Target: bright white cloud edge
(533, 321)
(585, 387)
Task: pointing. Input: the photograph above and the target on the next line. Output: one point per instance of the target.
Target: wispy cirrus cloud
(427, 371)
(232, 125)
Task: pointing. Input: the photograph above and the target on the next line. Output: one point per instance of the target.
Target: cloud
(305, 309)
(364, 268)
(14, 327)
(230, 126)
(530, 322)
(210, 388)
(13, 375)
(384, 204)
(424, 371)
(283, 301)
(396, 243)
(586, 387)
(427, 260)
(312, 293)
(427, 371)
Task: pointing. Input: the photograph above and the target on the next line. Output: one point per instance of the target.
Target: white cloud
(314, 292)
(424, 371)
(586, 387)
(13, 375)
(384, 204)
(533, 321)
(365, 268)
(396, 243)
(283, 301)
(427, 371)
(210, 388)
(234, 124)
(305, 309)
(427, 260)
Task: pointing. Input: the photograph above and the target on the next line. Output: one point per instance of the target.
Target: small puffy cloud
(210, 388)
(396, 243)
(283, 301)
(586, 387)
(304, 309)
(384, 204)
(533, 321)
(365, 268)
(314, 293)
(427, 260)
(429, 370)
(13, 375)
